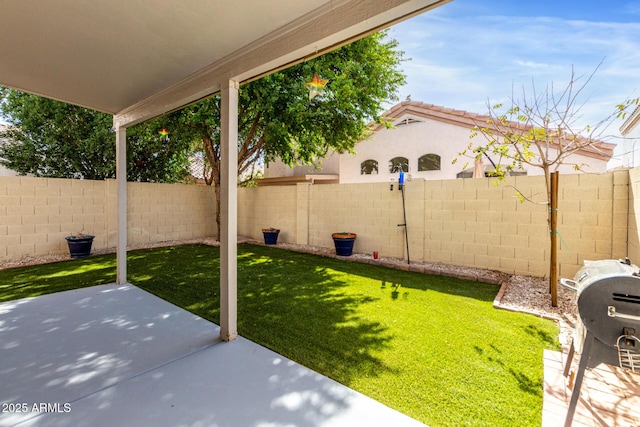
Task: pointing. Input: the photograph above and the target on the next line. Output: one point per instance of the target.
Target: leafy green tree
(278, 118)
(49, 138)
(152, 157)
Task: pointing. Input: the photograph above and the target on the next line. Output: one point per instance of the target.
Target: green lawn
(432, 347)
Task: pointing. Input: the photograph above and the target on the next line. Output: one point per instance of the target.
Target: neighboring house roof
(631, 122)
(308, 178)
(600, 150)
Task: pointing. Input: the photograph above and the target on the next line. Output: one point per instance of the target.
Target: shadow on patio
(116, 355)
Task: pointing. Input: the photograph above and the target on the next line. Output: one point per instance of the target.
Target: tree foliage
(277, 118)
(49, 138)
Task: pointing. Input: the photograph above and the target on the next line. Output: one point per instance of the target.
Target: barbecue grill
(608, 298)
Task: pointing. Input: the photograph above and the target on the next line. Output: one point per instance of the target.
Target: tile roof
(631, 122)
(599, 149)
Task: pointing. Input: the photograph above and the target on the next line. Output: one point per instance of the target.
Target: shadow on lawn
(32, 281)
(286, 302)
(403, 281)
(400, 281)
(542, 335)
(395, 293)
(291, 304)
(494, 356)
(302, 304)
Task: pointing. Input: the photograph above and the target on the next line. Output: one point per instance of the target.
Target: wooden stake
(553, 231)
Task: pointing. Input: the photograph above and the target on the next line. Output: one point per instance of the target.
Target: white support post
(229, 212)
(121, 179)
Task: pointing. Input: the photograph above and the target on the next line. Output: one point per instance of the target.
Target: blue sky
(467, 52)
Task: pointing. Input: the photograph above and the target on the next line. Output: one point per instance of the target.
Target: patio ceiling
(138, 59)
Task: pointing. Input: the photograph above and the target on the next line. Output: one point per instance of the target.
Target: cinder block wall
(370, 210)
(633, 238)
(265, 207)
(475, 222)
(592, 215)
(469, 222)
(37, 213)
(161, 212)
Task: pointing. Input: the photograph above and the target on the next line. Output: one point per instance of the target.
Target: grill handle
(568, 283)
(611, 312)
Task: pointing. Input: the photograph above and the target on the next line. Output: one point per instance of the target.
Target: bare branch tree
(541, 129)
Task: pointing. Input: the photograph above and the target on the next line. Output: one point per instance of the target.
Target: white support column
(121, 179)
(229, 212)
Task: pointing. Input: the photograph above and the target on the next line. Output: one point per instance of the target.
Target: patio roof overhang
(139, 59)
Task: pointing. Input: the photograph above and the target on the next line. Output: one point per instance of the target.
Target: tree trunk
(216, 187)
(214, 177)
(553, 235)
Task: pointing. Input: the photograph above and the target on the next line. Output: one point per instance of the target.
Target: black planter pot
(79, 247)
(344, 243)
(270, 236)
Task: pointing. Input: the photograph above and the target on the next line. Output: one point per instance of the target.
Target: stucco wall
(416, 139)
(329, 165)
(413, 140)
(6, 172)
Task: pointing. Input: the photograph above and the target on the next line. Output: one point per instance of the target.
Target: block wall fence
(469, 222)
(633, 237)
(37, 213)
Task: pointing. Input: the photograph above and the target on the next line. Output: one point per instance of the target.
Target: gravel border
(525, 294)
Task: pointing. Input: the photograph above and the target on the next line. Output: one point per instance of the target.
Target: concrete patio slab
(117, 355)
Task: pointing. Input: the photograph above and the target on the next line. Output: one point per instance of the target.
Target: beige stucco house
(424, 140)
(630, 130)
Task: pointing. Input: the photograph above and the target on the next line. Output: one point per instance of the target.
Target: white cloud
(532, 64)
(461, 61)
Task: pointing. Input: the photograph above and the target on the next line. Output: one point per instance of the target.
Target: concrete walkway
(116, 355)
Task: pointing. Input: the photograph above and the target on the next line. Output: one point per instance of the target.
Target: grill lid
(593, 271)
(604, 284)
